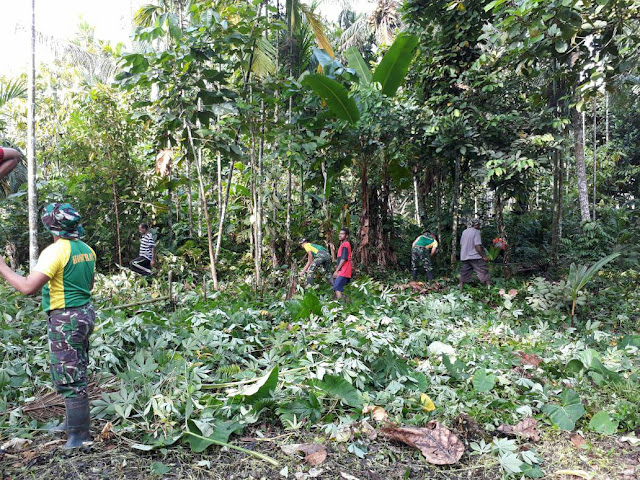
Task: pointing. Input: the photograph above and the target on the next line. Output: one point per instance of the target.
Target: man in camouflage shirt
(65, 273)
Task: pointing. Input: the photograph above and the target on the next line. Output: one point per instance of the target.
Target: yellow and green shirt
(313, 248)
(70, 265)
(426, 242)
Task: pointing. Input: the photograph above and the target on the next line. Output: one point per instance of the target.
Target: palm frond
(314, 21)
(146, 16)
(264, 54)
(12, 89)
(357, 34)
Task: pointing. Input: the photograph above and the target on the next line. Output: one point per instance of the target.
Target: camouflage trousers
(421, 257)
(69, 330)
(322, 259)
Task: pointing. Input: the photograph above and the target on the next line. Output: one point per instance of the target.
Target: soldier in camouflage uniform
(317, 256)
(65, 273)
(424, 247)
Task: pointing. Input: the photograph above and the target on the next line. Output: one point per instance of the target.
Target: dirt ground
(599, 458)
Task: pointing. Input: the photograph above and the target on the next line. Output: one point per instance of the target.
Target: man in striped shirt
(146, 259)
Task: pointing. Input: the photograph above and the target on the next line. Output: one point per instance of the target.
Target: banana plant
(390, 74)
(579, 276)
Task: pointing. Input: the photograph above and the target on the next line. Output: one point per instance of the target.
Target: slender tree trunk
(205, 209)
(287, 246)
(595, 158)
(415, 198)
(457, 181)
(556, 226)
(115, 206)
(583, 196)
(365, 215)
(438, 208)
(223, 209)
(606, 118)
(501, 230)
(189, 195)
(31, 147)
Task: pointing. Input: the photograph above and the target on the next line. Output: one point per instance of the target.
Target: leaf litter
(438, 444)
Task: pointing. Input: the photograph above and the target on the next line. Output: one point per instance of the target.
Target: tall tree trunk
(223, 209)
(190, 196)
(115, 207)
(438, 208)
(205, 209)
(556, 226)
(457, 181)
(259, 248)
(500, 224)
(415, 198)
(606, 118)
(595, 158)
(581, 169)
(31, 147)
(287, 245)
(365, 215)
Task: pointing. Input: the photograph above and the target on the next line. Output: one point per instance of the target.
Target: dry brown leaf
(107, 432)
(529, 359)
(577, 440)
(367, 409)
(28, 455)
(16, 444)
(527, 428)
(379, 414)
(315, 453)
(437, 443)
(348, 476)
(576, 473)
(368, 430)
(163, 162)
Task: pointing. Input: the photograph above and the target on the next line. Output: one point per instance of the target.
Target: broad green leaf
(482, 382)
(355, 60)
(602, 423)
(160, 468)
(335, 96)
(394, 65)
(260, 389)
(221, 432)
(566, 415)
(339, 387)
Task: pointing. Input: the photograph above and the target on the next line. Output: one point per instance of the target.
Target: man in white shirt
(146, 259)
(472, 256)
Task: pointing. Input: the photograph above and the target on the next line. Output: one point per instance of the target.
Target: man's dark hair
(145, 226)
(345, 230)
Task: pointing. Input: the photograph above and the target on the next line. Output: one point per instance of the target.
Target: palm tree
(379, 26)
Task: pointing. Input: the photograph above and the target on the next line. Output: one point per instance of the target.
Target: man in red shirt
(342, 275)
(9, 158)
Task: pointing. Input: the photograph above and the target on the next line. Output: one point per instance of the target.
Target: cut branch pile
(51, 404)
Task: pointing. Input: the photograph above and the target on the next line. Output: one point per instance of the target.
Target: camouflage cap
(62, 220)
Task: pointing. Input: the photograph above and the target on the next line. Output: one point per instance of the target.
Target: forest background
(235, 128)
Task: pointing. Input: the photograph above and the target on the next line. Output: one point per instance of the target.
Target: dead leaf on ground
(577, 440)
(368, 430)
(529, 359)
(315, 453)
(527, 428)
(632, 440)
(437, 443)
(348, 476)
(107, 432)
(15, 444)
(28, 455)
(576, 473)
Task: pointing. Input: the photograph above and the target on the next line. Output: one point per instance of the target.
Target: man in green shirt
(317, 256)
(424, 247)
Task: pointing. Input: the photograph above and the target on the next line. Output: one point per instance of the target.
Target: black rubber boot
(414, 274)
(430, 277)
(78, 421)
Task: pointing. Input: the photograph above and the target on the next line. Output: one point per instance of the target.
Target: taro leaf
(602, 423)
(566, 415)
(527, 428)
(261, 388)
(315, 453)
(456, 370)
(437, 443)
(335, 96)
(355, 60)
(220, 435)
(339, 387)
(482, 382)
